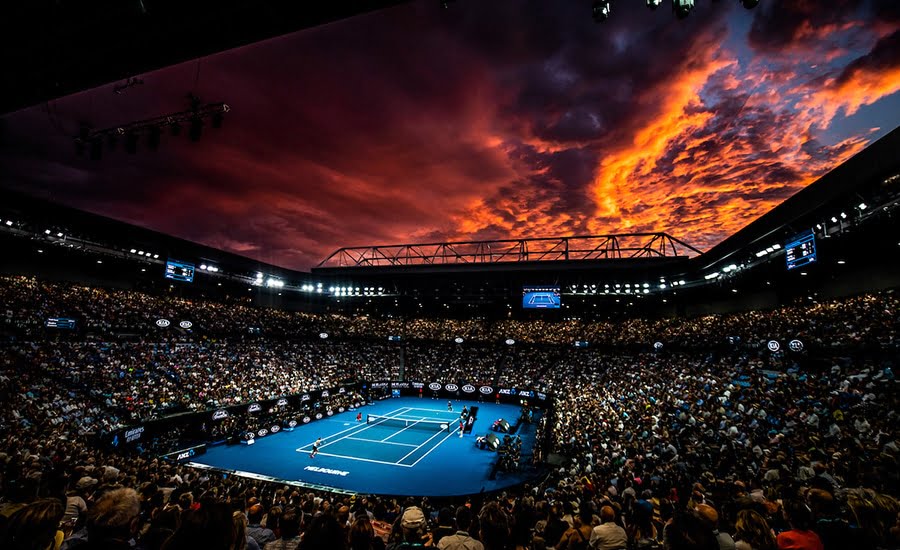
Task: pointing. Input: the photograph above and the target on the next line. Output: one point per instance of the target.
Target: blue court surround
(381, 457)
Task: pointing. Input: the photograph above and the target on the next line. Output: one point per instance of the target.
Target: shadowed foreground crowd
(700, 450)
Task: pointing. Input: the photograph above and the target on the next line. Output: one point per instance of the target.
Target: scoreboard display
(64, 323)
(801, 250)
(179, 271)
(540, 297)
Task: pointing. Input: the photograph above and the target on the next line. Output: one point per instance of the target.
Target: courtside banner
(186, 454)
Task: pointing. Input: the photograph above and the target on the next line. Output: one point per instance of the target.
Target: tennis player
(462, 425)
(450, 406)
(315, 449)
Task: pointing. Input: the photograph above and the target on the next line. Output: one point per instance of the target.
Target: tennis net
(411, 423)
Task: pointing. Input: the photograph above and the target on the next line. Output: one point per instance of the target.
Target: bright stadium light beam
(653, 4)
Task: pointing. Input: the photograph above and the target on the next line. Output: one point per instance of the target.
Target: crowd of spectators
(862, 321)
(700, 449)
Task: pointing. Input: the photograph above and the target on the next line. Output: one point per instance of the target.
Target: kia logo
(329, 412)
(275, 429)
(305, 397)
(292, 424)
(306, 419)
(262, 432)
(773, 345)
(340, 409)
(219, 415)
(162, 323)
(468, 388)
(342, 390)
(486, 390)
(254, 408)
(451, 387)
(434, 386)
(658, 346)
(795, 345)
(318, 416)
(185, 324)
(282, 402)
(325, 393)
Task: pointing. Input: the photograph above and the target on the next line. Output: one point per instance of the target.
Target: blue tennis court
(403, 446)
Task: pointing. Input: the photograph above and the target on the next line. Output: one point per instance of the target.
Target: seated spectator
(290, 532)
(412, 531)
(240, 533)
(752, 532)
(800, 536)
(461, 539)
(262, 535)
(111, 523)
(711, 517)
(687, 531)
(209, 526)
(324, 533)
(34, 527)
(362, 535)
(494, 528)
(608, 535)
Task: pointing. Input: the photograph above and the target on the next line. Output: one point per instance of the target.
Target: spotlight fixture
(749, 4)
(653, 4)
(600, 10)
(682, 8)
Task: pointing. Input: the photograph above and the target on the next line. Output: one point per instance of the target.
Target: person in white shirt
(608, 535)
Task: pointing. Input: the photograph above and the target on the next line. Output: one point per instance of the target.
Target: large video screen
(801, 250)
(546, 297)
(65, 323)
(179, 271)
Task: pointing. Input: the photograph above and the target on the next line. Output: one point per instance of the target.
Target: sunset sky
(492, 119)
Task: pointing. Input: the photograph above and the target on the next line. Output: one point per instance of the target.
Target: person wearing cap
(461, 540)
(412, 532)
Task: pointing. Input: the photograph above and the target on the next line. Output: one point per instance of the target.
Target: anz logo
(185, 454)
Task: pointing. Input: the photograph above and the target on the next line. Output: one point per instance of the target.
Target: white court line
(359, 431)
(431, 449)
(387, 417)
(423, 444)
(401, 431)
(382, 441)
(366, 460)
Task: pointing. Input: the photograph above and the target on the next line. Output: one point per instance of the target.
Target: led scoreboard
(801, 250)
(179, 271)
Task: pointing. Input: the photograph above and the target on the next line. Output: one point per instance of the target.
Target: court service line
(422, 445)
(377, 441)
(431, 449)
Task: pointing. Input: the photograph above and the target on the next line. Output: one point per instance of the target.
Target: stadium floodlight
(600, 10)
(711, 276)
(682, 8)
(203, 267)
(46, 232)
(155, 256)
(681, 282)
(749, 4)
(9, 222)
(862, 206)
(776, 246)
(133, 251)
(59, 234)
(833, 219)
(843, 215)
(653, 4)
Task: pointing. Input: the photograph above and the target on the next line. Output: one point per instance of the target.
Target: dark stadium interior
(498, 390)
